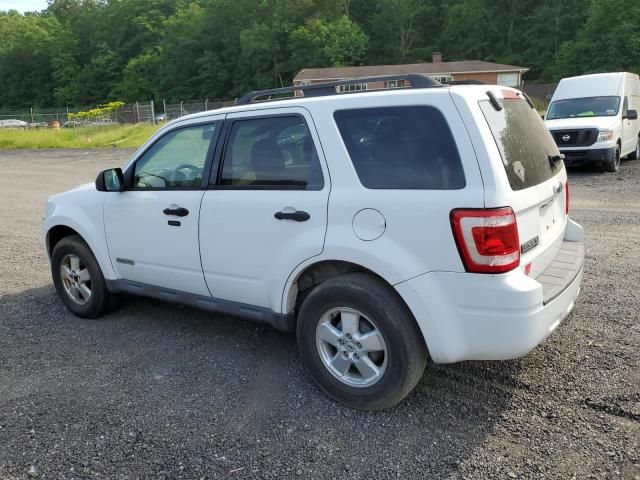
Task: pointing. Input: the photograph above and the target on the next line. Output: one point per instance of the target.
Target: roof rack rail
(463, 82)
(329, 88)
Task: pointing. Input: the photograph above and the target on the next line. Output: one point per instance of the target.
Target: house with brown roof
(468, 70)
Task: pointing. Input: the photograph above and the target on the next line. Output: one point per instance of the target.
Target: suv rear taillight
(566, 198)
(487, 239)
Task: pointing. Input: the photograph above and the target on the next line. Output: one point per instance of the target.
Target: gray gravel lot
(156, 390)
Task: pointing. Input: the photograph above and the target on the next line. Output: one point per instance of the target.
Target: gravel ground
(156, 390)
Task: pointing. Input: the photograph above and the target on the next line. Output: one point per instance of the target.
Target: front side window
(401, 148)
(274, 152)
(584, 107)
(177, 159)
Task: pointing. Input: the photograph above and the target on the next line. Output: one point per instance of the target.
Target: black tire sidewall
(100, 297)
(406, 357)
(613, 165)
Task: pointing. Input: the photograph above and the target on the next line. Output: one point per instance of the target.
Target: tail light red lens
(566, 198)
(487, 239)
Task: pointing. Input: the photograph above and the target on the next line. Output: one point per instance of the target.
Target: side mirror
(630, 115)
(111, 180)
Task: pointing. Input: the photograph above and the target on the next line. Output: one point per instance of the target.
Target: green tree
(608, 41)
(322, 43)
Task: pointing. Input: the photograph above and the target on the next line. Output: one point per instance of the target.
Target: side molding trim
(284, 323)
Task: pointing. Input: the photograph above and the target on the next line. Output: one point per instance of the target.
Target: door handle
(178, 212)
(298, 216)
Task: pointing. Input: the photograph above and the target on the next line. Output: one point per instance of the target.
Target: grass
(121, 136)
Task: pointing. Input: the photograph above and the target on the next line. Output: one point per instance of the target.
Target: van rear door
(536, 176)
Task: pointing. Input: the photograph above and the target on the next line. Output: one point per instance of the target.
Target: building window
(352, 87)
(509, 79)
(444, 78)
(394, 84)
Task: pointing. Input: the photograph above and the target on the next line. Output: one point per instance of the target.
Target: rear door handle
(298, 216)
(178, 212)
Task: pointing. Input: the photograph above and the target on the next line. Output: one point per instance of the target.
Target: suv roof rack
(463, 82)
(329, 88)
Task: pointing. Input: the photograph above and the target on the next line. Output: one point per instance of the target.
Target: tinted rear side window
(524, 143)
(401, 148)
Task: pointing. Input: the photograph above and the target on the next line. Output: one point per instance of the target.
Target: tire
(379, 313)
(635, 155)
(66, 270)
(613, 165)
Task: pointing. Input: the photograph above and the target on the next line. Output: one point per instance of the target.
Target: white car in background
(13, 123)
(594, 119)
(383, 227)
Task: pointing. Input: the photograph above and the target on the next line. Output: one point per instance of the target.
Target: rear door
(537, 179)
(266, 209)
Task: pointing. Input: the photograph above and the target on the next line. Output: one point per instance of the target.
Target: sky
(23, 5)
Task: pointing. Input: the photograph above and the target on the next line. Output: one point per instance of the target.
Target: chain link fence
(148, 111)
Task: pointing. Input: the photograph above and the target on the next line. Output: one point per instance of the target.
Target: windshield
(584, 107)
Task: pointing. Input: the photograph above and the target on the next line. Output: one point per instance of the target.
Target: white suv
(384, 227)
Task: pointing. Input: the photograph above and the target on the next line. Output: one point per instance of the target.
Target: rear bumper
(587, 156)
(466, 316)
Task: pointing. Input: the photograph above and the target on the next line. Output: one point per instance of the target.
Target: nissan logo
(566, 137)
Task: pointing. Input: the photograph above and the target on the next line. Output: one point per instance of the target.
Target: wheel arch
(57, 233)
(312, 275)
(60, 227)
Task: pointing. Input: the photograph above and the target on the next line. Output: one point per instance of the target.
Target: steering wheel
(188, 166)
(177, 176)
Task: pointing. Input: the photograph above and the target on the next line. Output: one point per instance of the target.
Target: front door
(266, 211)
(152, 227)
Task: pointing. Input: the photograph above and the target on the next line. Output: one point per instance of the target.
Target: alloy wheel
(76, 279)
(351, 347)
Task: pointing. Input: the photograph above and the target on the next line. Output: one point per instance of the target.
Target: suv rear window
(401, 148)
(524, 143)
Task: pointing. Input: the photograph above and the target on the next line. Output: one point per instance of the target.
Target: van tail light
(566, 198)
(487, 239)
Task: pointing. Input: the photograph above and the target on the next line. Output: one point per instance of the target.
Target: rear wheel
(79, 280)
(613, 165)
(360, 342)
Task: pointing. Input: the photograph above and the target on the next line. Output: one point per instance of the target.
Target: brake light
(487, 239)
(510, 95)
(566, 198)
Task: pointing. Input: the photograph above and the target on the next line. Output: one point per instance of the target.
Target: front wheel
(360, 342)
(79, 280)
(613, 165)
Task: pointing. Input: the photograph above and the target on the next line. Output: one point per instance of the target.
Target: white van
(594, 119)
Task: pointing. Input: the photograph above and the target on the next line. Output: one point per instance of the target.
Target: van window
(524, 142)
(584, 107)
(401, 148)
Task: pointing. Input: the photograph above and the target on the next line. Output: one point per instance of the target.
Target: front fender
(85, 216)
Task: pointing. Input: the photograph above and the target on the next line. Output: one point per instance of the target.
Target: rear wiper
(555, 158)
